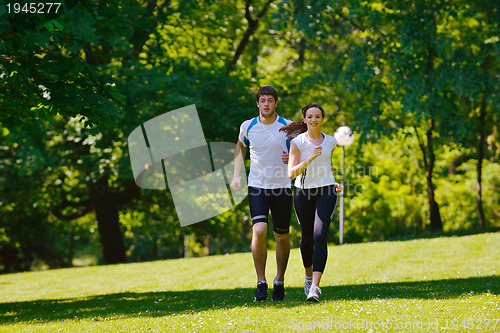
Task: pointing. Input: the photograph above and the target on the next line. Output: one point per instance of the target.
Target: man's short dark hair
(267, 90)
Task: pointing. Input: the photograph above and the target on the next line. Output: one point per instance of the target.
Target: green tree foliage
(475, 81)
(89, 167)
(27, 228)
(385, 192)
(418, 81)
(37, 61)
(403, 62)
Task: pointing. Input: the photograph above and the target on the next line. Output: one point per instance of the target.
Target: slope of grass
(444, 284)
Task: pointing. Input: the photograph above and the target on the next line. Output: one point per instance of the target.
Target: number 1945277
(33, 7)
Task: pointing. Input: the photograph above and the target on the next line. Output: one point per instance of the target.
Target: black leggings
(314, 208)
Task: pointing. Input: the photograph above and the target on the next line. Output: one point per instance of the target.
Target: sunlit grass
(406, 286)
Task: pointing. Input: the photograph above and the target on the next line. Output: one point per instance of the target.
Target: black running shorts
(279, 200)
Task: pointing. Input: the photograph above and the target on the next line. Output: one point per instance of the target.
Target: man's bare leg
(259, 249)
(282, 254)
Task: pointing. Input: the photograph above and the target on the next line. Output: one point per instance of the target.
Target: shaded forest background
(417, 81)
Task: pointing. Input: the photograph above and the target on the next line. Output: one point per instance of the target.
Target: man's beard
(268, 115)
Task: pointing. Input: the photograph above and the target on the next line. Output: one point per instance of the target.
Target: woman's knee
(320, 239)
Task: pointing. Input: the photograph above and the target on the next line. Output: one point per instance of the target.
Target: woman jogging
(310, 164)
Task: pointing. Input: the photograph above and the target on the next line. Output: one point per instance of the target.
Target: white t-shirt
(267, 144)
(318, 173)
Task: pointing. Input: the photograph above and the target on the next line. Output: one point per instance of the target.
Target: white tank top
(319, 172)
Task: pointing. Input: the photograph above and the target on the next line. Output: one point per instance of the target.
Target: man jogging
(269, 187)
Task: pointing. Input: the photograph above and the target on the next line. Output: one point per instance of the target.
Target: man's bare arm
(239, 158)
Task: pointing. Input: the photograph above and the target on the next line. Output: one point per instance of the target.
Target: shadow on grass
(156, 304)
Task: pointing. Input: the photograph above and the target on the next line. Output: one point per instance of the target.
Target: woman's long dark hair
(297, 127)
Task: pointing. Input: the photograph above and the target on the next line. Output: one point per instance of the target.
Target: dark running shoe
(278, 293)
(261, 292)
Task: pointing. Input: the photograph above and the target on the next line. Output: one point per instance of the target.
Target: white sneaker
(307, 286)
(313, 295)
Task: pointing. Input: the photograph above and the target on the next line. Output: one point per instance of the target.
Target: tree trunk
(155, 251)
(71, 247)
(435, 216)
(186, 246)
(255, 56)
(113, 247)
(206, 245)
(253, 24)
(480, 157)
(302, 50)
(436, 223)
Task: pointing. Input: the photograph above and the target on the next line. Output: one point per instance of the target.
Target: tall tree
(475, 80)
(60, 68)
(253, 20)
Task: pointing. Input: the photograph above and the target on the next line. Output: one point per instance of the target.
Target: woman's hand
(316, 152)
(337, 187)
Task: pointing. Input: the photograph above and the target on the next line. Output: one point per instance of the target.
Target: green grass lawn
(427, 285)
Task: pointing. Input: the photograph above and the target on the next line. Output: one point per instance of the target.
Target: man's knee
(260, 230)
(282, 238)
